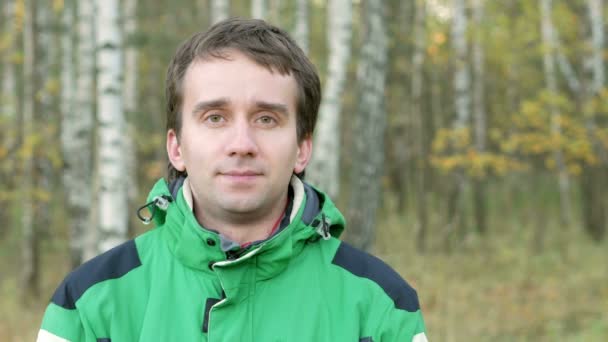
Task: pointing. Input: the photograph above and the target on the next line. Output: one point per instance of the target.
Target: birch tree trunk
(219, 10)
(462, 106)
(324, 168)
(8, 111)
(423, 168)
(549, 42)
(130, 102)
(76, 124)
(83, 236)
(479, 197)
(8, 100)
(130, 85)
(402, 150)
(369, 128)
(594, 181)
(47, 60)
(301, 28)
(111, 164)
(595, 9)
(259, 9)
(29, 249)
(462, 98)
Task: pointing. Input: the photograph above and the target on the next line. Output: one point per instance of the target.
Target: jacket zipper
(225, 263)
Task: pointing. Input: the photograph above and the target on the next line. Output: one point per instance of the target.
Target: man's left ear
(304, 154)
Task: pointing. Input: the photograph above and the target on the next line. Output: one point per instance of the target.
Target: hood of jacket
(314, 216)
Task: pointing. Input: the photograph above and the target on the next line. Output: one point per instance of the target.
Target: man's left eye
(266, 119)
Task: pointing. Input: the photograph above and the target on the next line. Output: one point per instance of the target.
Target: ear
(304, 154)
(174, 151)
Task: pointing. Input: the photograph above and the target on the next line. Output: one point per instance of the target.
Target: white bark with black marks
(76, 134)
(324, 168)
(111, 158)
(369, 129)
(130, 96)
(77, 139)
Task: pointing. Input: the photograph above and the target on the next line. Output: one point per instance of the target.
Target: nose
(241, 140)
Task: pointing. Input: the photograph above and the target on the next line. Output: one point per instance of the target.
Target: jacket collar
(199, 248)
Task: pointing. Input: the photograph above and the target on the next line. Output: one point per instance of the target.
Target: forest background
(465, 140)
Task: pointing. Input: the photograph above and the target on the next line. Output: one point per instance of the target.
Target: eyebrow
(273, 107)
(204, 106)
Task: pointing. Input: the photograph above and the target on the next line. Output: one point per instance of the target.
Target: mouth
(241, 173)
(240, 176)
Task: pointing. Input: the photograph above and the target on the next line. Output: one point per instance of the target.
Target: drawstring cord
(161, 202)
(322, 227)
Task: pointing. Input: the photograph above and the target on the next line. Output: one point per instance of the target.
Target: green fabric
(284, 289)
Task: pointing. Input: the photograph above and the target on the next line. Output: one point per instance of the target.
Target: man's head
(266, 45)
(242, 105)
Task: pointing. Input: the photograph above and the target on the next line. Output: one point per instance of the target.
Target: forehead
(238, 79)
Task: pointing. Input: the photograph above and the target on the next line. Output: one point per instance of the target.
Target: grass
(500, 287)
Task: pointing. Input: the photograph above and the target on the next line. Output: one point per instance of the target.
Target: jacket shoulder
(364, 265)
(112, 264)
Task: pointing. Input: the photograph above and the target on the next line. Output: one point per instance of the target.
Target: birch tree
(369, 128)
(324, 168)
(219, 10)
(259, 9)
(594, 183)
(130, 81)
(479, 113)
(300, 32)
(29, 249)
(8, 107)
(423, 168)
(77, 123)
(549, 44)
(462, 98)
(130, 97)
(462, 107)
(111, 163)
(47, 58)
(8, 100)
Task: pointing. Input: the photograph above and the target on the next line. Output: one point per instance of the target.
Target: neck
(241, 227)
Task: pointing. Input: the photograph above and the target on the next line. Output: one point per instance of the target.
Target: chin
(242, 205)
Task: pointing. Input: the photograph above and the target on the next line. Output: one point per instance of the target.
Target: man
(243, 249)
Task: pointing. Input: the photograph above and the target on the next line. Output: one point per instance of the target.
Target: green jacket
(176, 283)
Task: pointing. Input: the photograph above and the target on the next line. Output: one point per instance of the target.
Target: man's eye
(266, 120)
(215, 118)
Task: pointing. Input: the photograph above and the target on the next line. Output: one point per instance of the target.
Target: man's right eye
(214, 118)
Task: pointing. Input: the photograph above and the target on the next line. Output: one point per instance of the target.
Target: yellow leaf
(439, 38)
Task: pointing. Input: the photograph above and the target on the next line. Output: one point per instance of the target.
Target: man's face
(238, 138)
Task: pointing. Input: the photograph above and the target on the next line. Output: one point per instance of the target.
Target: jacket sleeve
(401, 325)
(60, 324)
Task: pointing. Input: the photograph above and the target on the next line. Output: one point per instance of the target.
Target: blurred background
(466, 141)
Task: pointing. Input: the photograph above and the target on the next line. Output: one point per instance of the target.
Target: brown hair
(265, 44)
